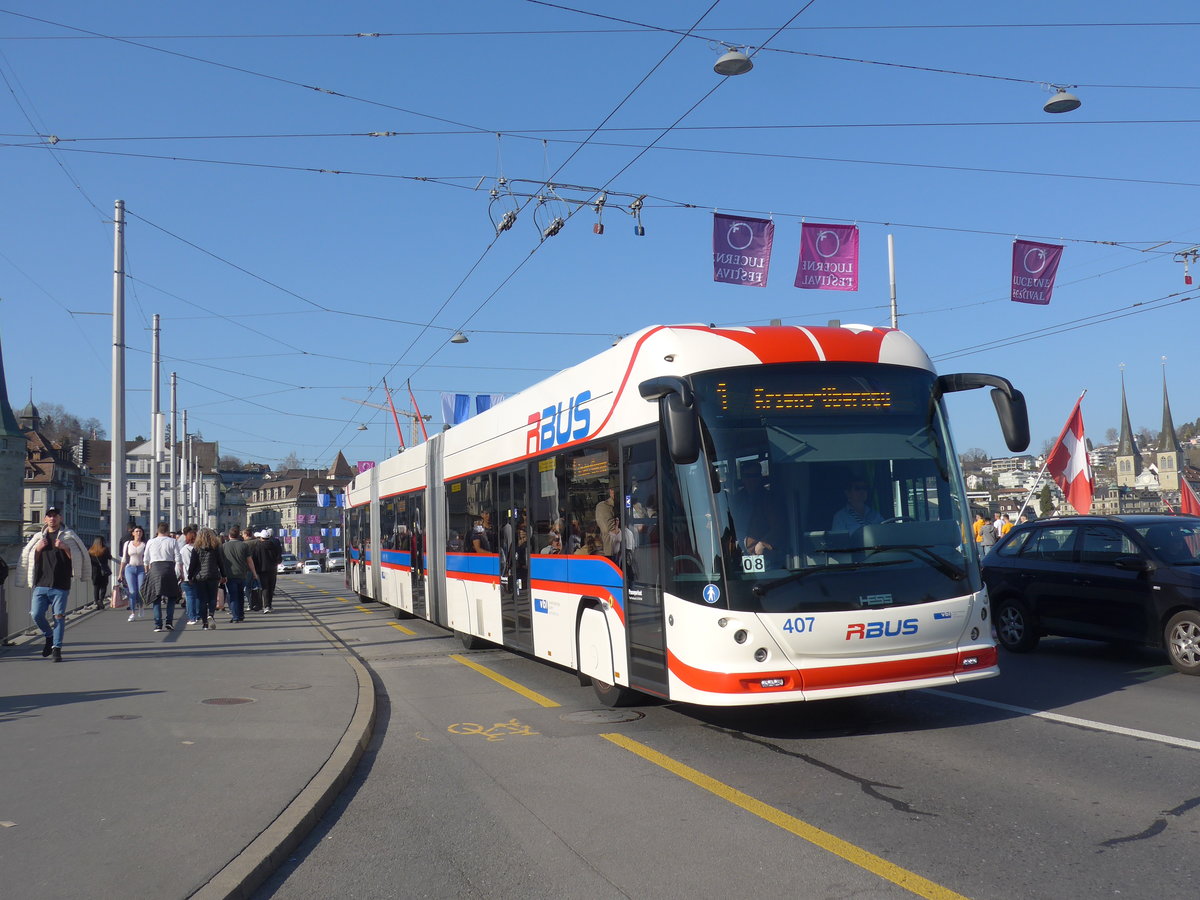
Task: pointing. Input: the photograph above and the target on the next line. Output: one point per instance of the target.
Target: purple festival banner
(828, 257)
(1034, 266)
(742, 249)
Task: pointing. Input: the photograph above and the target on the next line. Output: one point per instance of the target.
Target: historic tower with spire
(1170, 451)
(1129, 458)
(12, 476)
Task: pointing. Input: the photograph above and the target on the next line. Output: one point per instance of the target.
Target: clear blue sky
(203, 119)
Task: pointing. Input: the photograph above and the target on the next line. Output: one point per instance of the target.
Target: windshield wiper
(761, 590)
(939, 562)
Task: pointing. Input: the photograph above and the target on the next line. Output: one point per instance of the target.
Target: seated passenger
(855, 514)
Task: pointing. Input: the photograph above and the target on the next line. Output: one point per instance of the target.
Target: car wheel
(1015, 625)
(1183, 642)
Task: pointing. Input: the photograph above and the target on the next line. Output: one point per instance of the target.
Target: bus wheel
(612, 695)
(470, 642)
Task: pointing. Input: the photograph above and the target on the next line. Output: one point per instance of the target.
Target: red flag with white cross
(1068, 463)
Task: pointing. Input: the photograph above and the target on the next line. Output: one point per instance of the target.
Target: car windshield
(828, 486)
(1176, 543)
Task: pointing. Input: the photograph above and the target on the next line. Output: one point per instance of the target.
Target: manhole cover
(285, 686)
(226, 701)
(121, 718)
(602, 716)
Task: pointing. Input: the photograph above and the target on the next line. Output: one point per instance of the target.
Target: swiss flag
(1068, 463)
(1188, 504)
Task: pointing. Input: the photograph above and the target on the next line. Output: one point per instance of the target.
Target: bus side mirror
(1009, 403)
(677, 409)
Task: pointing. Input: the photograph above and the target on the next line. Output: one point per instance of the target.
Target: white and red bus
(719, 516)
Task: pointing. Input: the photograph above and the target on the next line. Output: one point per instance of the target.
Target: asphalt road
(1076, 774)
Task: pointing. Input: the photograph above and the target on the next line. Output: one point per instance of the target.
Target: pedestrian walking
(50, 560)
(187, 547)
(102, 560)
(239, 570)
(253, 585)
(132, 570)
(164, 572)
(267, 553)
(206, 571)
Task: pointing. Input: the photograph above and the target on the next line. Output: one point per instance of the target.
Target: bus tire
(1016, 626)
(612, 695)
(470, 642)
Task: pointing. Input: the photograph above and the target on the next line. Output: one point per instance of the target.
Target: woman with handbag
(206, 572)
(101, 558)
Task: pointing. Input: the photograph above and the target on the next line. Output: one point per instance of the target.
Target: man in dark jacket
(267, 554)
(239, 570)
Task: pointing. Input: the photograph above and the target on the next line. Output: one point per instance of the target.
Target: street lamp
(733, 62)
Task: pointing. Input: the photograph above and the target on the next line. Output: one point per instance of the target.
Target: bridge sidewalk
(176, 764)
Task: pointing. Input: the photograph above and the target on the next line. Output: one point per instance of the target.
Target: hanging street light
(733, 62)
(1062, 101)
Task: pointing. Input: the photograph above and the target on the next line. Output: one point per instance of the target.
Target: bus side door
(515, 605)
(638, 509)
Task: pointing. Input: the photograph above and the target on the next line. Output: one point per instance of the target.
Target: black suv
(1109, 578)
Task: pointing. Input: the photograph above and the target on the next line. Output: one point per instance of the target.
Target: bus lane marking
(1072, 720)
(363, 609)
(852, 853)
(506, 682)
(401, 628)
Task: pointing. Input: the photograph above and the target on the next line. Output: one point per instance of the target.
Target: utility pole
(892, 279)
(155, 438)
(117, 507)
(171, 459)
(185, 479)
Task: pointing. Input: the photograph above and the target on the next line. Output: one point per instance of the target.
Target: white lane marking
(1072, 720)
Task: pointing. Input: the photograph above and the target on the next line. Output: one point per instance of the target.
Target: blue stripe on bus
(473, 564)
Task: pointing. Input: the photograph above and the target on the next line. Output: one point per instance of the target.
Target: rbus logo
(882, 629)
(560, 425)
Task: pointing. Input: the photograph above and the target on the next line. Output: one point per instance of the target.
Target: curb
(267, 852)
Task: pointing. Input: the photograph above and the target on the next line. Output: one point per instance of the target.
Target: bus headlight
(740, 635)
(760, 655)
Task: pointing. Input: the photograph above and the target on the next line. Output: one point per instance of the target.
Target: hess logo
(559, 424)
(894, 628)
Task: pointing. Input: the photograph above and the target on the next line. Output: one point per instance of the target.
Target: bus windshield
(827, 486)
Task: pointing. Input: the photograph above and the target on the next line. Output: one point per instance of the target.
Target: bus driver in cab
(855, 514)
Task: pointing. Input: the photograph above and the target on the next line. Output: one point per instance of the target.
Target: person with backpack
(206, 572)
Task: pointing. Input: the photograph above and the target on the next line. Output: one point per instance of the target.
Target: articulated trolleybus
(719, 516)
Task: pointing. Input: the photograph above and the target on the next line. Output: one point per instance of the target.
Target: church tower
(12, 476)
(1170, 452)
(1129, 458)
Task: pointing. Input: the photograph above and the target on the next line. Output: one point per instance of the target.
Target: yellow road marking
(364, 609)
(876, 865)
(507, 682)
(400, 627)
(343, 599)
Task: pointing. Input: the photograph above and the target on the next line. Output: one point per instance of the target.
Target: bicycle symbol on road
(498, 732)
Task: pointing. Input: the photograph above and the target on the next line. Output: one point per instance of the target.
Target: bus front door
(639, 509)
(516, 609)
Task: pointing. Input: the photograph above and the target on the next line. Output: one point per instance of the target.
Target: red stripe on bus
(815, 679)
(576, 588)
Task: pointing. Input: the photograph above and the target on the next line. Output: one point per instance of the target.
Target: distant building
(54, 479)
(302, 507)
